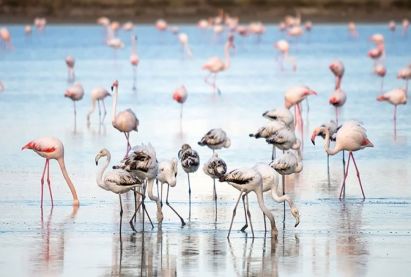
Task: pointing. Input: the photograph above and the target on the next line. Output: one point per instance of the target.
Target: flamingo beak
(97, 158)
(313, 137)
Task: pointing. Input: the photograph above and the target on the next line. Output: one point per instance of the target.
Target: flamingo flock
(139, 169)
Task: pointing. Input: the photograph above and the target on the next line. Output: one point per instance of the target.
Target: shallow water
(349, 238)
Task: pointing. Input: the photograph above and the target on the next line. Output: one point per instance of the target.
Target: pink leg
(42, 181)
(336, 115)
(358, 175)
(49, 183)
(127, 135)
(345, 176)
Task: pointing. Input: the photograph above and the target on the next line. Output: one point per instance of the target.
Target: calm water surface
(340, 238)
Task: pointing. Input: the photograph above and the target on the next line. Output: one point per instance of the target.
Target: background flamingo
(124, 121)
(180, 96)
(183, 39)
(75, 93)
(98, 95)
(380, 71)
(134, 59)
(70, 61)
(51, 148)
(216, 65)
(395, 97)
(337, 99)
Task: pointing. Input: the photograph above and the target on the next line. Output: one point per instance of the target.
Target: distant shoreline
(186, 15)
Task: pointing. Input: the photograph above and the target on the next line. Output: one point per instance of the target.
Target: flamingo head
(381, 98)
(230, 41)
(184, 147)
(67, 93)
(309, 91)
(317, 132)
(102, 153)
(114, 85)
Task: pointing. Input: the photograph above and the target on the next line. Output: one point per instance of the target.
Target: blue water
(34, 74)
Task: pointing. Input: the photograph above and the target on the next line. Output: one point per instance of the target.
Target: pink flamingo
(75, 93)
(125, 121)
(70, 68)
(216, 65)
(405, 26)
(337, 99)
(97, 95)
(161, 25)
(405, 74)
(352, 28)
(380, 71)
(51, 148)
(134, 59)
(392, 26)
(27, 30)
(283, 47)
(293, 97)
(395, 97)
(183, 39)
(338, 69)
(350, 137)
(6, 37)
(180, 96)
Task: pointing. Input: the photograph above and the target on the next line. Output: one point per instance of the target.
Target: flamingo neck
(100, 173)
(338, 82)
(68, 181)
(327, 144)
(227, 56)
(133, 46)
(113, 118)
(150, 183)
(263, 207)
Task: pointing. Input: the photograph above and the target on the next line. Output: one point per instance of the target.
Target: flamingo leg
(49, 183)
(345, 177)
(328, 168)
(336, 115)
(382, 85)
(273, 153)
(283, 181)
(134, 77)
(249, 216)
(234, 212)
(215, 200)
(121, 205)
(245, 215)
(104, 108)
(127, 135)
(168, 204)
(189, 196)
(99, 109)
(265, 224)
(358, 175)
(42, 182)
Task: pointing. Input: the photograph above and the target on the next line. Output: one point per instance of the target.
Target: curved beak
(97, 158)
(297, 221)
(313, 136)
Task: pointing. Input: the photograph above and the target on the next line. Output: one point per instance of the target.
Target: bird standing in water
(190, 161)
(52, 148)
(134, 59)
(70, 61)
(98, 95)
(246, 180)
(350, 137)
(124, 121)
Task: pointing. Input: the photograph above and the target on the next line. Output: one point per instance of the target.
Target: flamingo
(246, 180)
(405, 74)
(75, 93)
(283, 47)
(27, 30)
(284, 139)
(337, 99)
(6, 37)
(215, 167)
(70, 61)
(215, 139)
(380, 71)
(104, 21)
(257, 28)
(216, 65)
(124, 121)
(142, 162)
(51, 148)
(134, 59)
(190, 161)
(118, 181)
(352, 28)
(183, 39)
(308, 26)
(97, 95)
(395, 97)
(202, 24)
(128, 26)
(405, 26)
(167, 174)
(40, 23)
(161, 25)
(391, 25)
(293, 97)
(180, 96)
(267, 130)
(281, 114)
(287, 164)
(350, 137)
(337, 68)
